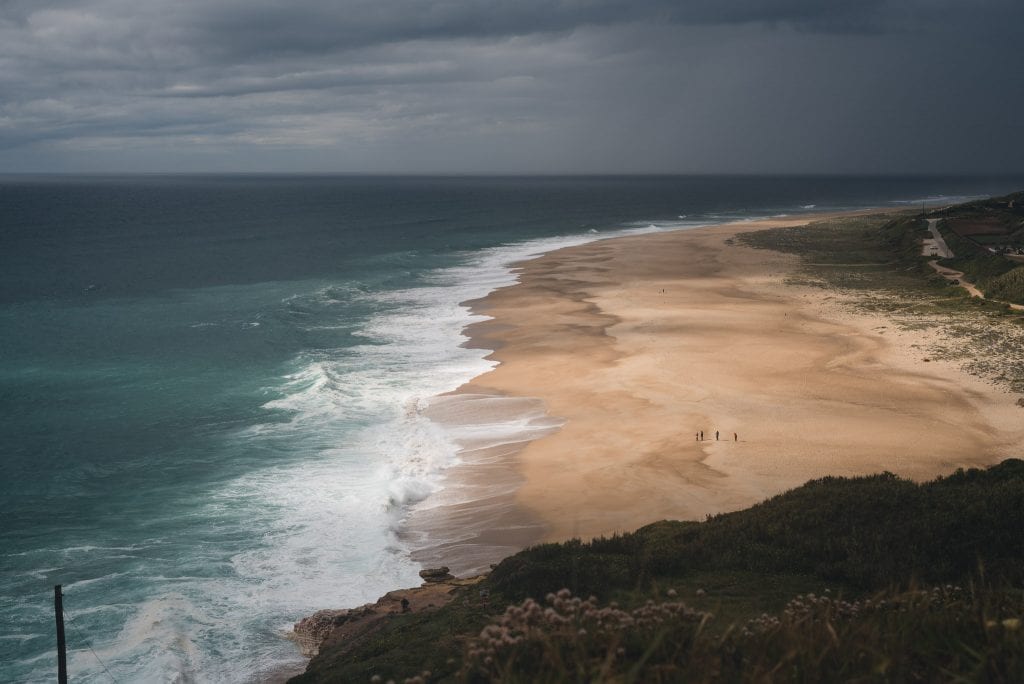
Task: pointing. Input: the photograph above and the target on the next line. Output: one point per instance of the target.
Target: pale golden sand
(639, 342)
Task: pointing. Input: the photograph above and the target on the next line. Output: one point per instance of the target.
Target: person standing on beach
(735, 437)
(702, 435)
(716, 435)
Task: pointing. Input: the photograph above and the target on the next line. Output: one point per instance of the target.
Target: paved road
(936, 246)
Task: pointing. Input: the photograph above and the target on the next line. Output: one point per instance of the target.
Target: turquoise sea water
(205, 382)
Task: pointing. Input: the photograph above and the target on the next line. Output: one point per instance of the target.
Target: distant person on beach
(735, 437)
(702, 435)
(716, 435)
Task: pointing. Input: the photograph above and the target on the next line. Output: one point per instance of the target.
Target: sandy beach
(636, 344)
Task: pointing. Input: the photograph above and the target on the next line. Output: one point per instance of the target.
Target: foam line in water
(937, 199)
(361, 438)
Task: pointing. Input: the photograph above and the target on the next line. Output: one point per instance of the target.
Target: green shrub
(869, 532)
(944, 634)
(1008, 287)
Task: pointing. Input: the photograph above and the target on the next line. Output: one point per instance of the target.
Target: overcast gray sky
(555, 86)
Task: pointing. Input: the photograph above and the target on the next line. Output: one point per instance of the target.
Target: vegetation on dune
(944, 634)
(904, 235)
(970, 229)
(873, 264)
(893, 581)
(883, 251)
(864, 532)
(860, 255)
(1008, 286)
(978, 265)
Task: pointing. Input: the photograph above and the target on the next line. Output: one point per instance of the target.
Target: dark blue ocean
(204, 384)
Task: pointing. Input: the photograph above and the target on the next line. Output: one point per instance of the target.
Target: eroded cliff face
(340, 629)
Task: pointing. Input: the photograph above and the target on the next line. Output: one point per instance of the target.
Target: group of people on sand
(700, 436)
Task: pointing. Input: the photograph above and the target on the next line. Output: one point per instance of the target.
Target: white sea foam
(82, 583)
(941, 200)
(157, 636)
(359, 449)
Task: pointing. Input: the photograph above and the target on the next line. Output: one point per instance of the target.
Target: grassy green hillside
(863, 532)
(871, 578)
(995, 275)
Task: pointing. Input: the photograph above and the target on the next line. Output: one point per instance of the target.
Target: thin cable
(82, 639)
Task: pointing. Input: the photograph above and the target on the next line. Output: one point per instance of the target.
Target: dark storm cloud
(260, 25)
(232, 28)
(476, 85)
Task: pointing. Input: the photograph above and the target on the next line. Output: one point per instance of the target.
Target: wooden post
(62, 656)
